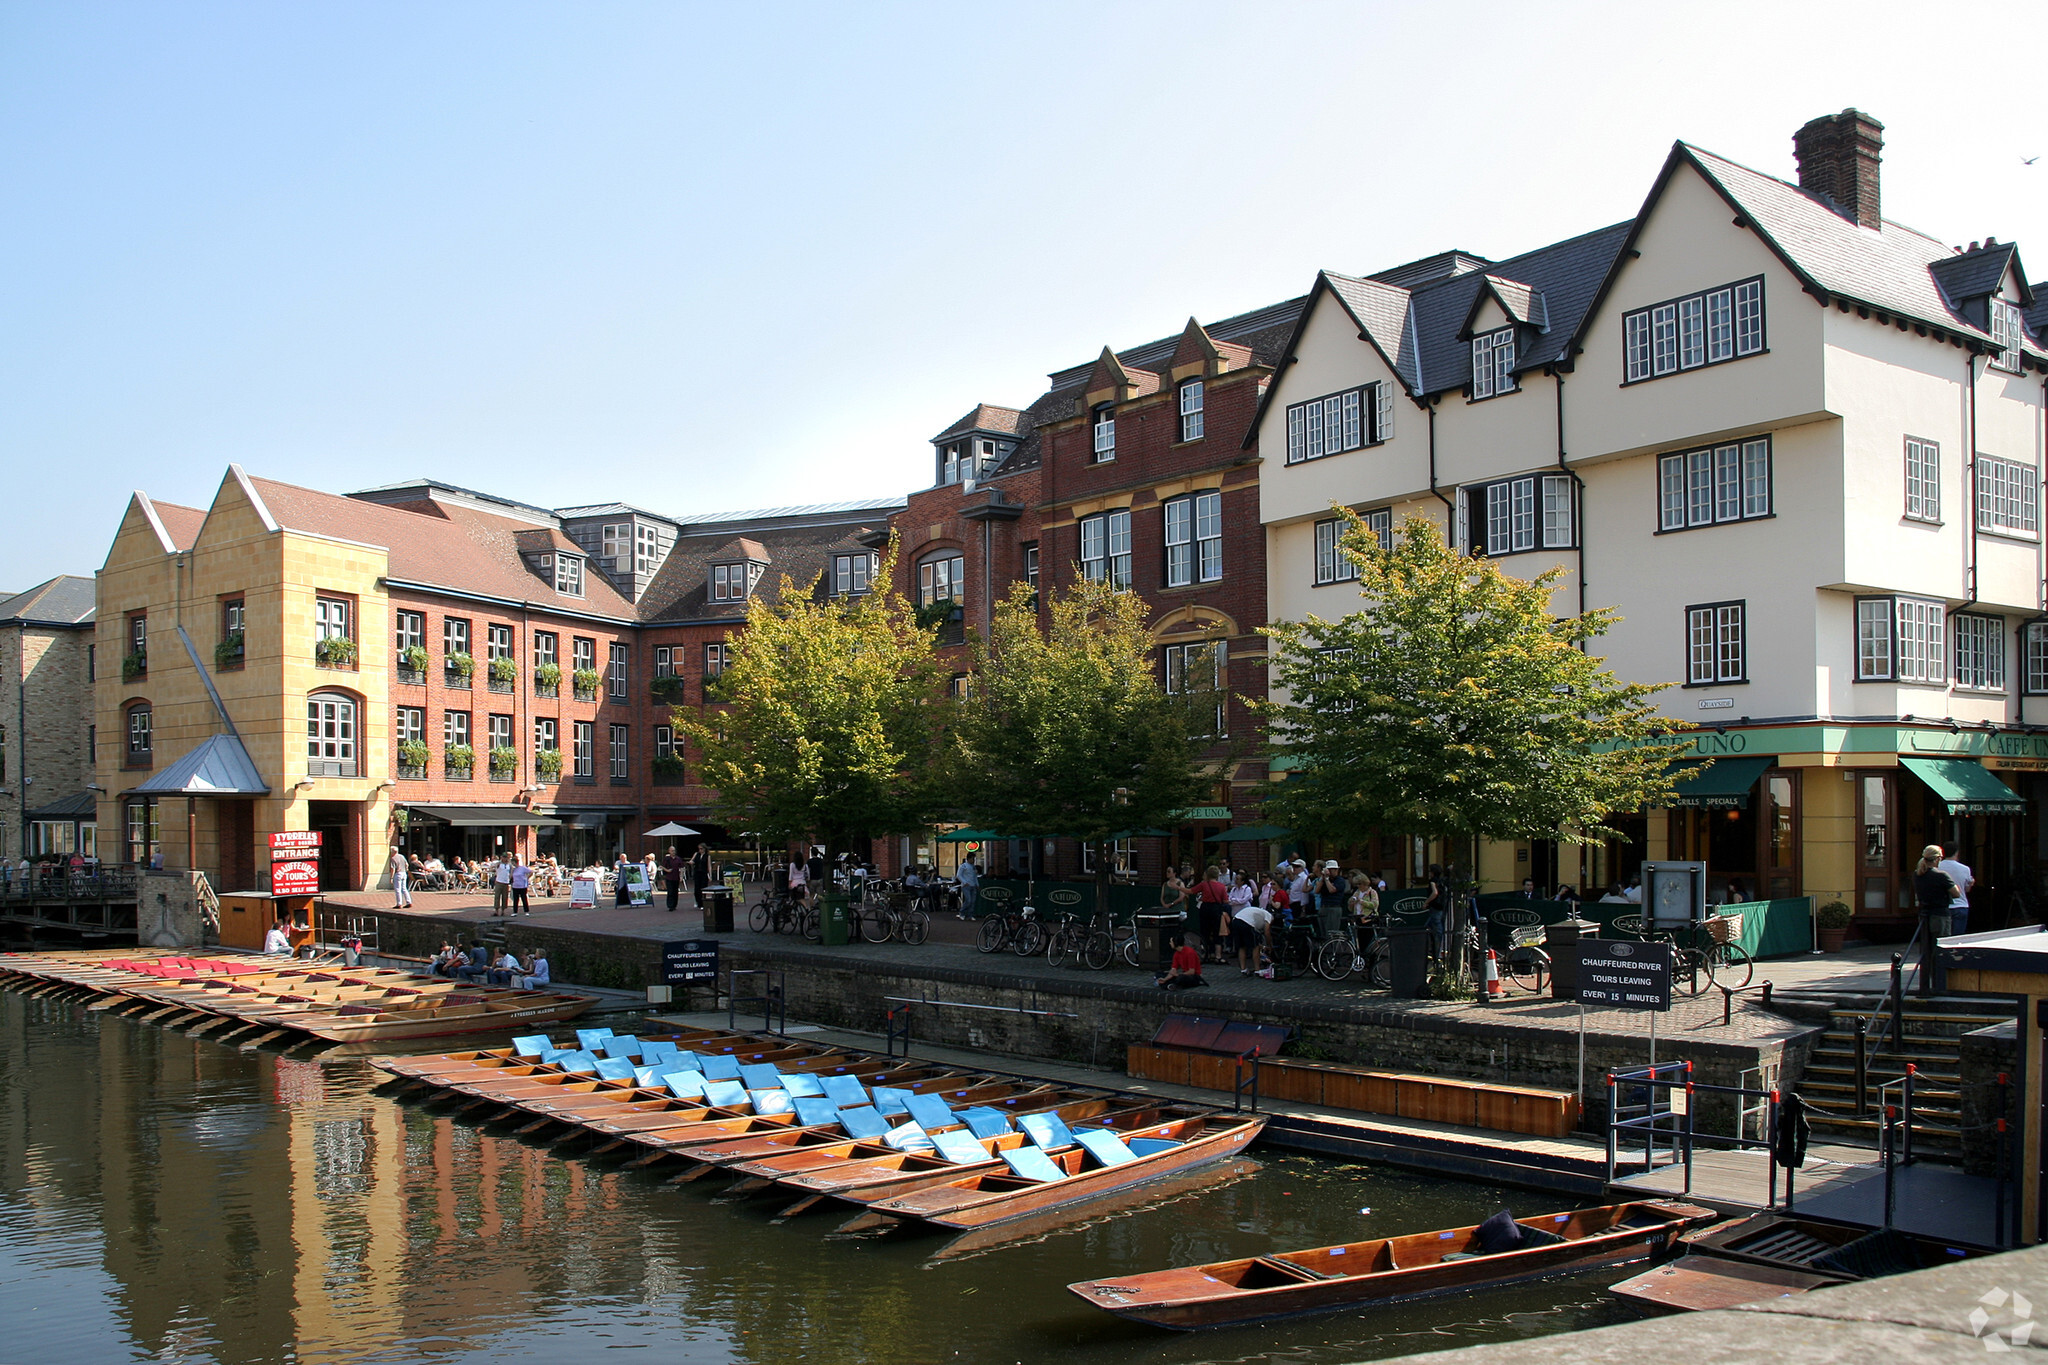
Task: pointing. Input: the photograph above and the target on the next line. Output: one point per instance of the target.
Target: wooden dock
(1739, 1181)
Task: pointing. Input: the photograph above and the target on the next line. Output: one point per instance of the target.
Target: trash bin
(717, 909)
(1158, 936)
(1564, 966)
(834, 923)
(1408, 961)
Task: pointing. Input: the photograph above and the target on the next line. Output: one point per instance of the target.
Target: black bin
(1407, 961)
(718, 909)
(1158, 936)
(1564, 966)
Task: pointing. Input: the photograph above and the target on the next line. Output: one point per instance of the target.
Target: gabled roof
(1110, 372)
(1980, 271)
(738, 549)
(681, 590)
(545, 539)
(179, 522)
(2037, 313)
(983, 417)
(66, 600)
(1521, 303)
(217, 766)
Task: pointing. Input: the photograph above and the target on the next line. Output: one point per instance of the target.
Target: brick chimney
(1837, 156)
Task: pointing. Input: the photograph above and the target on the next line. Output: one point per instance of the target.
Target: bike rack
(772, 999)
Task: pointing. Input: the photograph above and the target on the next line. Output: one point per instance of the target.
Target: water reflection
(169, 1198)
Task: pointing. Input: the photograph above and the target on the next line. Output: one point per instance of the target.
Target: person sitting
(477, 964)
(277, 941)
(1185, 973)
(445, 960)
(536, 974)
(505, 968)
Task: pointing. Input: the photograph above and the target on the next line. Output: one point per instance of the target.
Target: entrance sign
(1620, 975)
(692, 962)
(294, 841)
(295, 879)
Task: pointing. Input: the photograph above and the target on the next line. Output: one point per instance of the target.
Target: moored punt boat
(1391, 1269)
(1038, 1181)
(1701, 1283)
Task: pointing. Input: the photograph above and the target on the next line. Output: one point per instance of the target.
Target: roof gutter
(517, 604)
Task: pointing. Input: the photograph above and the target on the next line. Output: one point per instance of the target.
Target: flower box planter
(335, 652)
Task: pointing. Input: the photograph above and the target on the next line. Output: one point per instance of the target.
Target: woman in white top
(536, 971)
(799, 880)
(277, 941)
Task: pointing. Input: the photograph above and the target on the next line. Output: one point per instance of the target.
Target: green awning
(1722, 786)
(1965, 786)
(967, 836)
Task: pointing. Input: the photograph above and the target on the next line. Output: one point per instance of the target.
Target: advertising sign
(294, 878)
(1621, 975)
(583, 893)
(692, 962)
(294, 841)
(636, 884)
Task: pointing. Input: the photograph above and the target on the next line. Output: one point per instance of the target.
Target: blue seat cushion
(579, 1064)
(591, 1039)
(890, 1100)
(844, 1091)
(615, 1068)
(1032, 1164)
(686, 1061)
(556, 1054)
(721, 1067)
(760, 1076)
(815, 1111)
(908, 1137)
(958, 1147)
(624, 1046)
(863, 1122)
(684, 1084)
(1047, 1129)
(775, 1101)
(1105, 1146)
(725, 1094)
(930, 1112)
(533, 1045)
(646, 1075)
(1150, 1146)
(653, 1049)
(801, 1083)
(984, 1122)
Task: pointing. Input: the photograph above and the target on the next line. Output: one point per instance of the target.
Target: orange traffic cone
(1492, 977)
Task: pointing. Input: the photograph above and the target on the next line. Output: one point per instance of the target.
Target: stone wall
(45, 726)
(1984, 1055)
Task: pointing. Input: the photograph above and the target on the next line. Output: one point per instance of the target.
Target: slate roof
(1974, 274)
(611, 509)
(66, 600)
(983, 417)
(2037, 316)
(681, 590)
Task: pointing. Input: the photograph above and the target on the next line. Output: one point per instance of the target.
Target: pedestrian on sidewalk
(501, 884)
(1332, 890)
(1959, 908)
(1935, 891)
(522, 878)
(969, 875)
(672, 878)
(401, 873)
(700, 872)
(622, 874)
(1214, 898)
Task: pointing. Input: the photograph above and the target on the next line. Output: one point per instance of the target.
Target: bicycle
(1030, 934)
(997, 929)
(1693, 969)
(908, 923)
(1106, 943)
(1339, 955)
(1523, 958)
(1064, 940)
(778, 911)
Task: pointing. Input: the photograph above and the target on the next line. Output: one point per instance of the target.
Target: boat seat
(1285, 1271)
(890, 1100)
(863, 1122)
(814, 1111)
(645, 1076)
(1032, 1164)
(615, 1069)
(845, 1091)
(628, 1047)
(686, 1061)
(1150, 1146)
(930, 1112)
(656, 1049)
(1105, 1146)
(760, 1076)
(1047, 1130)
(591, 1039)
(579, 1064)
(908, 1137)
(984, 1122)
(721, 1067)
(774, 1101)
(958, 1147)
(684, 1084)
(531, 1046)
(725, 1094)
(556, 1054)
(801, 1084)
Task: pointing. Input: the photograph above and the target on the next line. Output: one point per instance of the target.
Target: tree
(824, 723)
(1069, 732)
(1452, 703)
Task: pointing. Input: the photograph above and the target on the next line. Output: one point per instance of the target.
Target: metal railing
(1665, 1078)
(771, 997)
(1246, 1084)
(54, 882)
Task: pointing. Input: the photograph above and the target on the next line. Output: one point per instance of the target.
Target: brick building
(46, 723)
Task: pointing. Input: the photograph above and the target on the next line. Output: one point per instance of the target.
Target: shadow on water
(167, 1198)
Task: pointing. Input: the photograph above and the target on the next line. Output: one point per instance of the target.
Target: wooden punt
(988, 1198)
(1701, 1283)
(1388, 1270)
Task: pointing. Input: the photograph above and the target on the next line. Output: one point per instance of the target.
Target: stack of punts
(908, 1145)
(1388, 1270)
(1774, 1255)
(320, 1000)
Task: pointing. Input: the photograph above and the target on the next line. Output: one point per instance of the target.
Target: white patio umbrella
(671, 830)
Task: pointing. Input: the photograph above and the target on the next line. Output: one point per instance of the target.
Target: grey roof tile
(1973, 274)
(66, 600)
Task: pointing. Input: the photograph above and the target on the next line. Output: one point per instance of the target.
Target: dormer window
(618, 544)
(1493, 363)
(852, 573)
(1105, 434)
(990, 455)
(949, 469)
(733, 582)
(2006, 331)
(569, 575)
(1191, 410)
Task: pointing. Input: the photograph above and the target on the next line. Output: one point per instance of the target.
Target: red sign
(294, 879)
(291, 840)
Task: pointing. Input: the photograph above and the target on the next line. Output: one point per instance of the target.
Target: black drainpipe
(1450, 508)
(1578, 498)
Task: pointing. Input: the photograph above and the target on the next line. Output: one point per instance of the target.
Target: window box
(668, 770)
(547, 765)
(336, 651)
(412, 665)
(547, 680)
(459, 668)
(227, 655)
(586, 680)
(458, 761)
(668, 687)
(412, 758)
(504, 765)
(135, 666)
(503, 674)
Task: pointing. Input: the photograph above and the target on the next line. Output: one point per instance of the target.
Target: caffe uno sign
(1852, 746)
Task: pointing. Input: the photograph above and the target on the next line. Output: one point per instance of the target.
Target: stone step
(1891, 1063)
(1847, 1038)
(1924, 1135)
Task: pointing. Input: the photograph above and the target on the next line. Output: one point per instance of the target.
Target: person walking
(401, 876)
(700, 872)
(501, 884)
(522, 879)
(1935, 891)
(969, 875)
(672, 877)
(1959, 908)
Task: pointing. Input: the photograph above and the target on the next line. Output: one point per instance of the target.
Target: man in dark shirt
(672, 878)
(700, 873)
(1332, 888)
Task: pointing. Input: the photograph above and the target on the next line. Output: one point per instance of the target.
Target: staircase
(1933, 1036)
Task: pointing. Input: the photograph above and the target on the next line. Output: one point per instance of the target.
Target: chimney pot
(1838, 160)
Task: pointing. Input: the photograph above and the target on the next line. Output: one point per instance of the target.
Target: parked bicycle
(897, 918)
(1708, 956)
(1359, 946)
(1065, 937)
(778, 911)
(1107, 942)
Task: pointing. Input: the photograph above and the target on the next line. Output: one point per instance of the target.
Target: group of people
(509, 878)
(1242, 911)
(506, 969)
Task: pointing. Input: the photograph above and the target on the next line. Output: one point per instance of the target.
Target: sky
(707, 257)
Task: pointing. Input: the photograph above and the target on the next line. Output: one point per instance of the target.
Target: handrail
(1675, 1076)
(773, 1000)
(1238, 1091)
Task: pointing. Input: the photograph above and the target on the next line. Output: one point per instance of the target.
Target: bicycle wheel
(1098, 951)
(1333, 959)
(759, 917)
(1529, 971)
(877, 924)
(1377, 973)
(1728, 965)
(993, 935)
(810, 925)
(915, 926)
(1129, 951)
(1689, 972)
(1029, 939)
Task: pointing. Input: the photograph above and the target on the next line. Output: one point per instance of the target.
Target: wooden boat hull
(1697, 1284)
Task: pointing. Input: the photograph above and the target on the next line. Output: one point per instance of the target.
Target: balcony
(409, 772)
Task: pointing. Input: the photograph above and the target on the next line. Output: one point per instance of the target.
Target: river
(165, 1198)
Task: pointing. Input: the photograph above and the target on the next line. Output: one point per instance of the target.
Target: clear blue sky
(708, 257)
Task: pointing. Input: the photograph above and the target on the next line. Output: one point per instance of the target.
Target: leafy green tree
(1453, 703)
(1068, 732)
(824, 724)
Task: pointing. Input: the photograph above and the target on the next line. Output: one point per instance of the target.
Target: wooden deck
(1738, 1182)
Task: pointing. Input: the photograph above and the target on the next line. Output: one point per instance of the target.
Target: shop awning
(483, 815)
(1965, 786)
(1722, 786)
(967, 836)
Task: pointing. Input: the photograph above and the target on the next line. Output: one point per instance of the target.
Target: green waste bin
(834, 921)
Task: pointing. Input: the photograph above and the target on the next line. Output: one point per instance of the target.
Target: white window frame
(619, 750)
(2008, 497)
(1901, 639)
(1191, 398)
(616, 540)
(582, 740)
(547, 734)
(646, 549)
(332, 720)
(1715, 485)
(454, 729)
(1716, 644)
(615, 666)
(716, 658)
(729, 582)
(1332, 564)
(1979, 651)
(499, 643)
(1106, 547)
(454, 636)
(853, 574)
(1493, 363)
(498, 726)
(942, 578)
(1333, 423)
(1510, 522)
(2008, 333)
(1711, 327)
(1104, 430)
(664, 660)
(331, 618)
(665, 745)
(1193, 529)
(1923, 480)
(409, 628)
(569, 575)
(1210, 664)
(2035, 648)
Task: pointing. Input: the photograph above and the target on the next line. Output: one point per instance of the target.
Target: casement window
(1980, 652)
(618, 670)
(1031, 566)
(991, 454)
(454, 636)
(949, 462)
(942, 578)
(1716, 644)
(957, 686)
(584, 651)
(234, 616)
(1191, 410)
(1923, 480)
(646, 549)
(1718, 484)
(1202, 669)
(1338, 422)
(1332, 564)
(330, 618)
(92, 745)
(1901, 639)
(144, 842)
(410, 725)
(1106, 548)
(715, 659)
(2007, 331)
(665, 657)
(851, 574)
(569, 575)
(617, 542)
(1527, 513)
(140, 723)
(732, 582)
(1119, 856)
(546, 647)
(455, 729)
(1493, 363)
(665, 745)
(498, 642)
(1104, 428)
(2036, 640)
(330, 735)
(618, 753)
(138, 639)
(2008, 497)
(581, 739)
(500, 731)
(1718, 324)
(409, 629)
(1194, 539)
(546, 739)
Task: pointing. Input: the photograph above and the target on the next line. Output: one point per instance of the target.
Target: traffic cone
(1492, 977)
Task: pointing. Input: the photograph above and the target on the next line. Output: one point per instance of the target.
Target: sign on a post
(1621, 975)
(294, 862)
(692, 962)
(1674, 893)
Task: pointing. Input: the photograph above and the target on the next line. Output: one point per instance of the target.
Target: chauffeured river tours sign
(1621, 975)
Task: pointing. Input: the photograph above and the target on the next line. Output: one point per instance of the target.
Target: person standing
(1435, 906)
(1959, 908)
(501, 884)
(799, 880)
(1332, 891)
(970, 885)
(1935, 891)
(401, 875)
(672, 877)
(1214, 898)
(622, 881)
(522, 879)
(700, 873)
